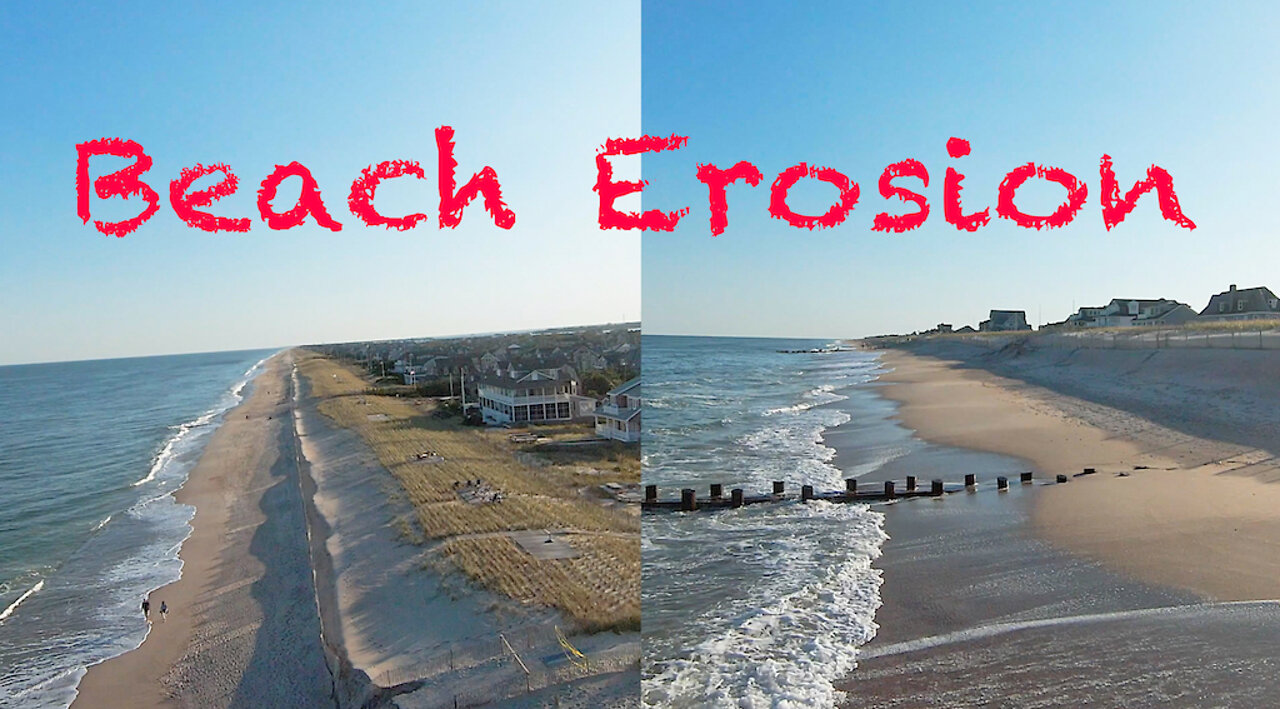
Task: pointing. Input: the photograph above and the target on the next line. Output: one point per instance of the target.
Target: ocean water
(90, 455)
(765, 605)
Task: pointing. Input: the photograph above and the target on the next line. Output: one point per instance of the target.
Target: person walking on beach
(146, 608)
(164, 611)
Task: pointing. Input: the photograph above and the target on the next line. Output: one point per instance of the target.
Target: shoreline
(1125, 587)
(1159, 496)
(236, 624)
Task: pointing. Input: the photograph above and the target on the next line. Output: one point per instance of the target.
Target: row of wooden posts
(689, 500)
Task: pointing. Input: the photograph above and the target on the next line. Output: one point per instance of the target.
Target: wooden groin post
(970, 480)
(736, 496)
(717, 490)
(911, 483)
(888, 489)
(936, 488)
(1026, 477)
(688, 500)
(779, 487)
(1002, 483)
(1062, 478)
(850, 487)
(650, 493)
(806, 492)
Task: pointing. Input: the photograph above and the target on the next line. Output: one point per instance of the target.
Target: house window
(562, 410)
(1222, 307)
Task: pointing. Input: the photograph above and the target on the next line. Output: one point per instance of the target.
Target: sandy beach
(1137, 585)
(1160, 496)
(242, 628)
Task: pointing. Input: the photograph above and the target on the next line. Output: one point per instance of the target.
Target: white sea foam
(14, 606)
(102, 524)
(185, 431)
(783, 595)
(824, 394)
(798, 629)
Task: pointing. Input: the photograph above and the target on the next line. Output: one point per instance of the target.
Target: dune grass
(599, 589)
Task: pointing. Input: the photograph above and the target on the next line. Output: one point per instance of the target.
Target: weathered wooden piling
(689, 500)
(1062, 478)
(1088, 471)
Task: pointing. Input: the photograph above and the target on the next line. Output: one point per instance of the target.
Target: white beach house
(542, 395)
(619, 416)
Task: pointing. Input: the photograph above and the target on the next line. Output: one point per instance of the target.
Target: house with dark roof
(1242, 304)
(1005, 321)
(618, 416)
(1124, 312)
(538, 396)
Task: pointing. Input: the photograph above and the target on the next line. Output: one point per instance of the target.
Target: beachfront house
(1005, 321)
(540, 396)
(1242, 304)
(618, 416)
(1177, 314)
(1084, 317)
(1129, 312)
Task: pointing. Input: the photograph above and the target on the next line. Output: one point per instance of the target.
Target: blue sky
(856, 86)
(532, 90)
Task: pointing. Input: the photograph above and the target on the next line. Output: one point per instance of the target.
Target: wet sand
(1160, 496)
(243, 628)
(1104, 591)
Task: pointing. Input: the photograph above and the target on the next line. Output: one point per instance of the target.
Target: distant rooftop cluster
(1257, 303)
(521, 378)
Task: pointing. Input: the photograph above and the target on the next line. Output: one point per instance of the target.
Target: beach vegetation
(543, 489)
